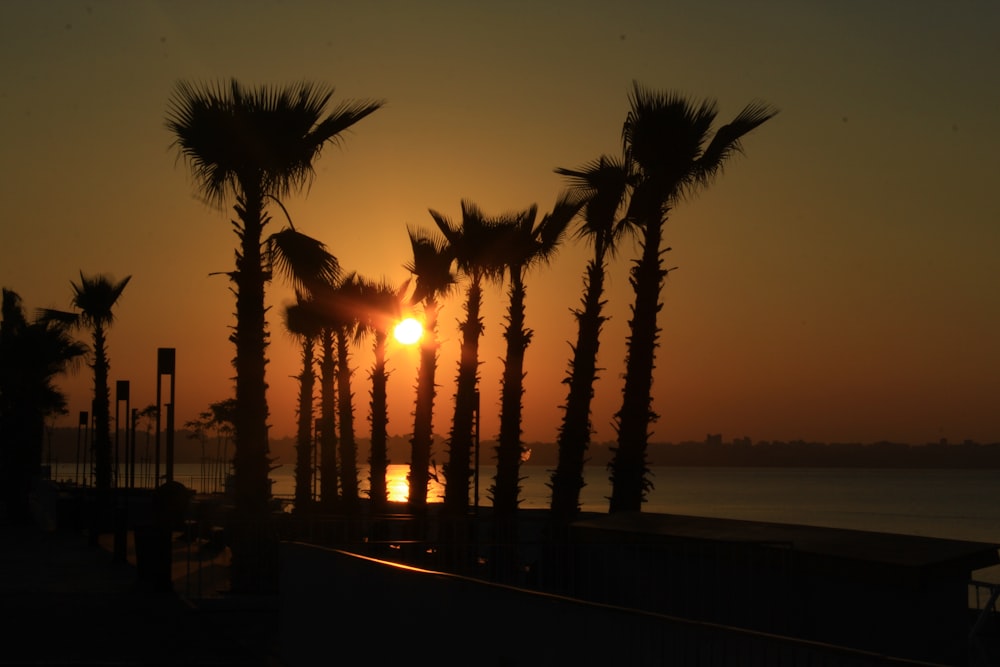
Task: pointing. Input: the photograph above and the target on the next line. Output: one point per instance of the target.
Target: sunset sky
(838, 282)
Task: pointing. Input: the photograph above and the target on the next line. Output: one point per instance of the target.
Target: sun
(408, 331)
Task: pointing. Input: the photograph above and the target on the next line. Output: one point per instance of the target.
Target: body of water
(946, 503)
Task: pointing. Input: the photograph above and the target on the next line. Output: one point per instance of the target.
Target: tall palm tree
(312, 270)
(671, 153)
(381, 306)
(302, 321)
(431, 267)
(344, 317)
(250, 144)
(223, 420)
(602, 185)
(198, 430)
(474, 244)
(329, 486)
(32, 354)
(316, 272)
(148, 415)
(524, 245)
(96, 297)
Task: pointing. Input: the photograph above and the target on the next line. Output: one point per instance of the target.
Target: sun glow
(408, 331)
(398, 488)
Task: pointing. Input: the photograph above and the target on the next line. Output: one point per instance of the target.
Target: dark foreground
(64, 601)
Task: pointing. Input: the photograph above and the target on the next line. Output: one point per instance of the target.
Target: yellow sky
(836, 283)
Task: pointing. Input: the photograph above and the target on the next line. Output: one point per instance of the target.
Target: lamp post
(131, 455)
(121, 509)
(121, 394)
(165, 359)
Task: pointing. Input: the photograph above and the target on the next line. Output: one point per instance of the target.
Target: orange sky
(836, 283)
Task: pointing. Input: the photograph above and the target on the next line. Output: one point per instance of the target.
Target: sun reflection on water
(398, 485)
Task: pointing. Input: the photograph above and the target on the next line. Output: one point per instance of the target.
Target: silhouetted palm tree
(474, 244)
(251, 144)
(341, 307)
(315, 271)
(148, 415)
(302, 321)
(670, 152)
(198, 430)
(524, 245)
(223, 421)
(381, 309)
(32, 354)
(312, 270)
(329, 486)
(602, 185)
(96, 297)
(431, 267)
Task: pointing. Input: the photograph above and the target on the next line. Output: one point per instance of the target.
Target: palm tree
(474, 244)
(251, 145)
(32, 354)
(148, 415)
(329, 493)
(198, 430)
(671, 153)
(316, 272)
(525, 244)
(381, 306)
(431, 267)
(223, 421)
(312, 270)
(95, 297)
(343, 312)
(302, 321)
(602, 185)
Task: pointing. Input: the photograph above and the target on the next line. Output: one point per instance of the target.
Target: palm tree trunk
(628, 466)
(348, 446)
(575, 430)
(254, 566)
(509, 450)
(102, 413)
(253, 489)
(378, 462)
(458, 470)
(507, 483)
(328, 490)
(423, 415)
(303, 447)
(100, 521)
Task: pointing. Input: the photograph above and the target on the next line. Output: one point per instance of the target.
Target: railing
(463, 547)
(460, 620)
(984, 596)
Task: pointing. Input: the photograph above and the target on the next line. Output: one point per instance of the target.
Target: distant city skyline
(835, 284)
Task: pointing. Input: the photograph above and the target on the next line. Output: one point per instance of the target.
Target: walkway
(66, 602)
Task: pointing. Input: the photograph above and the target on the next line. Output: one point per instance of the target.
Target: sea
(959, 504)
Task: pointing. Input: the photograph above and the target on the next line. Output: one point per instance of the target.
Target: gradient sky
(837, 283)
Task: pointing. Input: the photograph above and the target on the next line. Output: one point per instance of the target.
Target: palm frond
(602, 183)
(554, 225)
(232, 136)
(95, 296)
(305, 261)
(726, 141)
(430, 266)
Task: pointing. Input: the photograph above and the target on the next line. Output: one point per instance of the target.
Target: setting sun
(408, 331)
